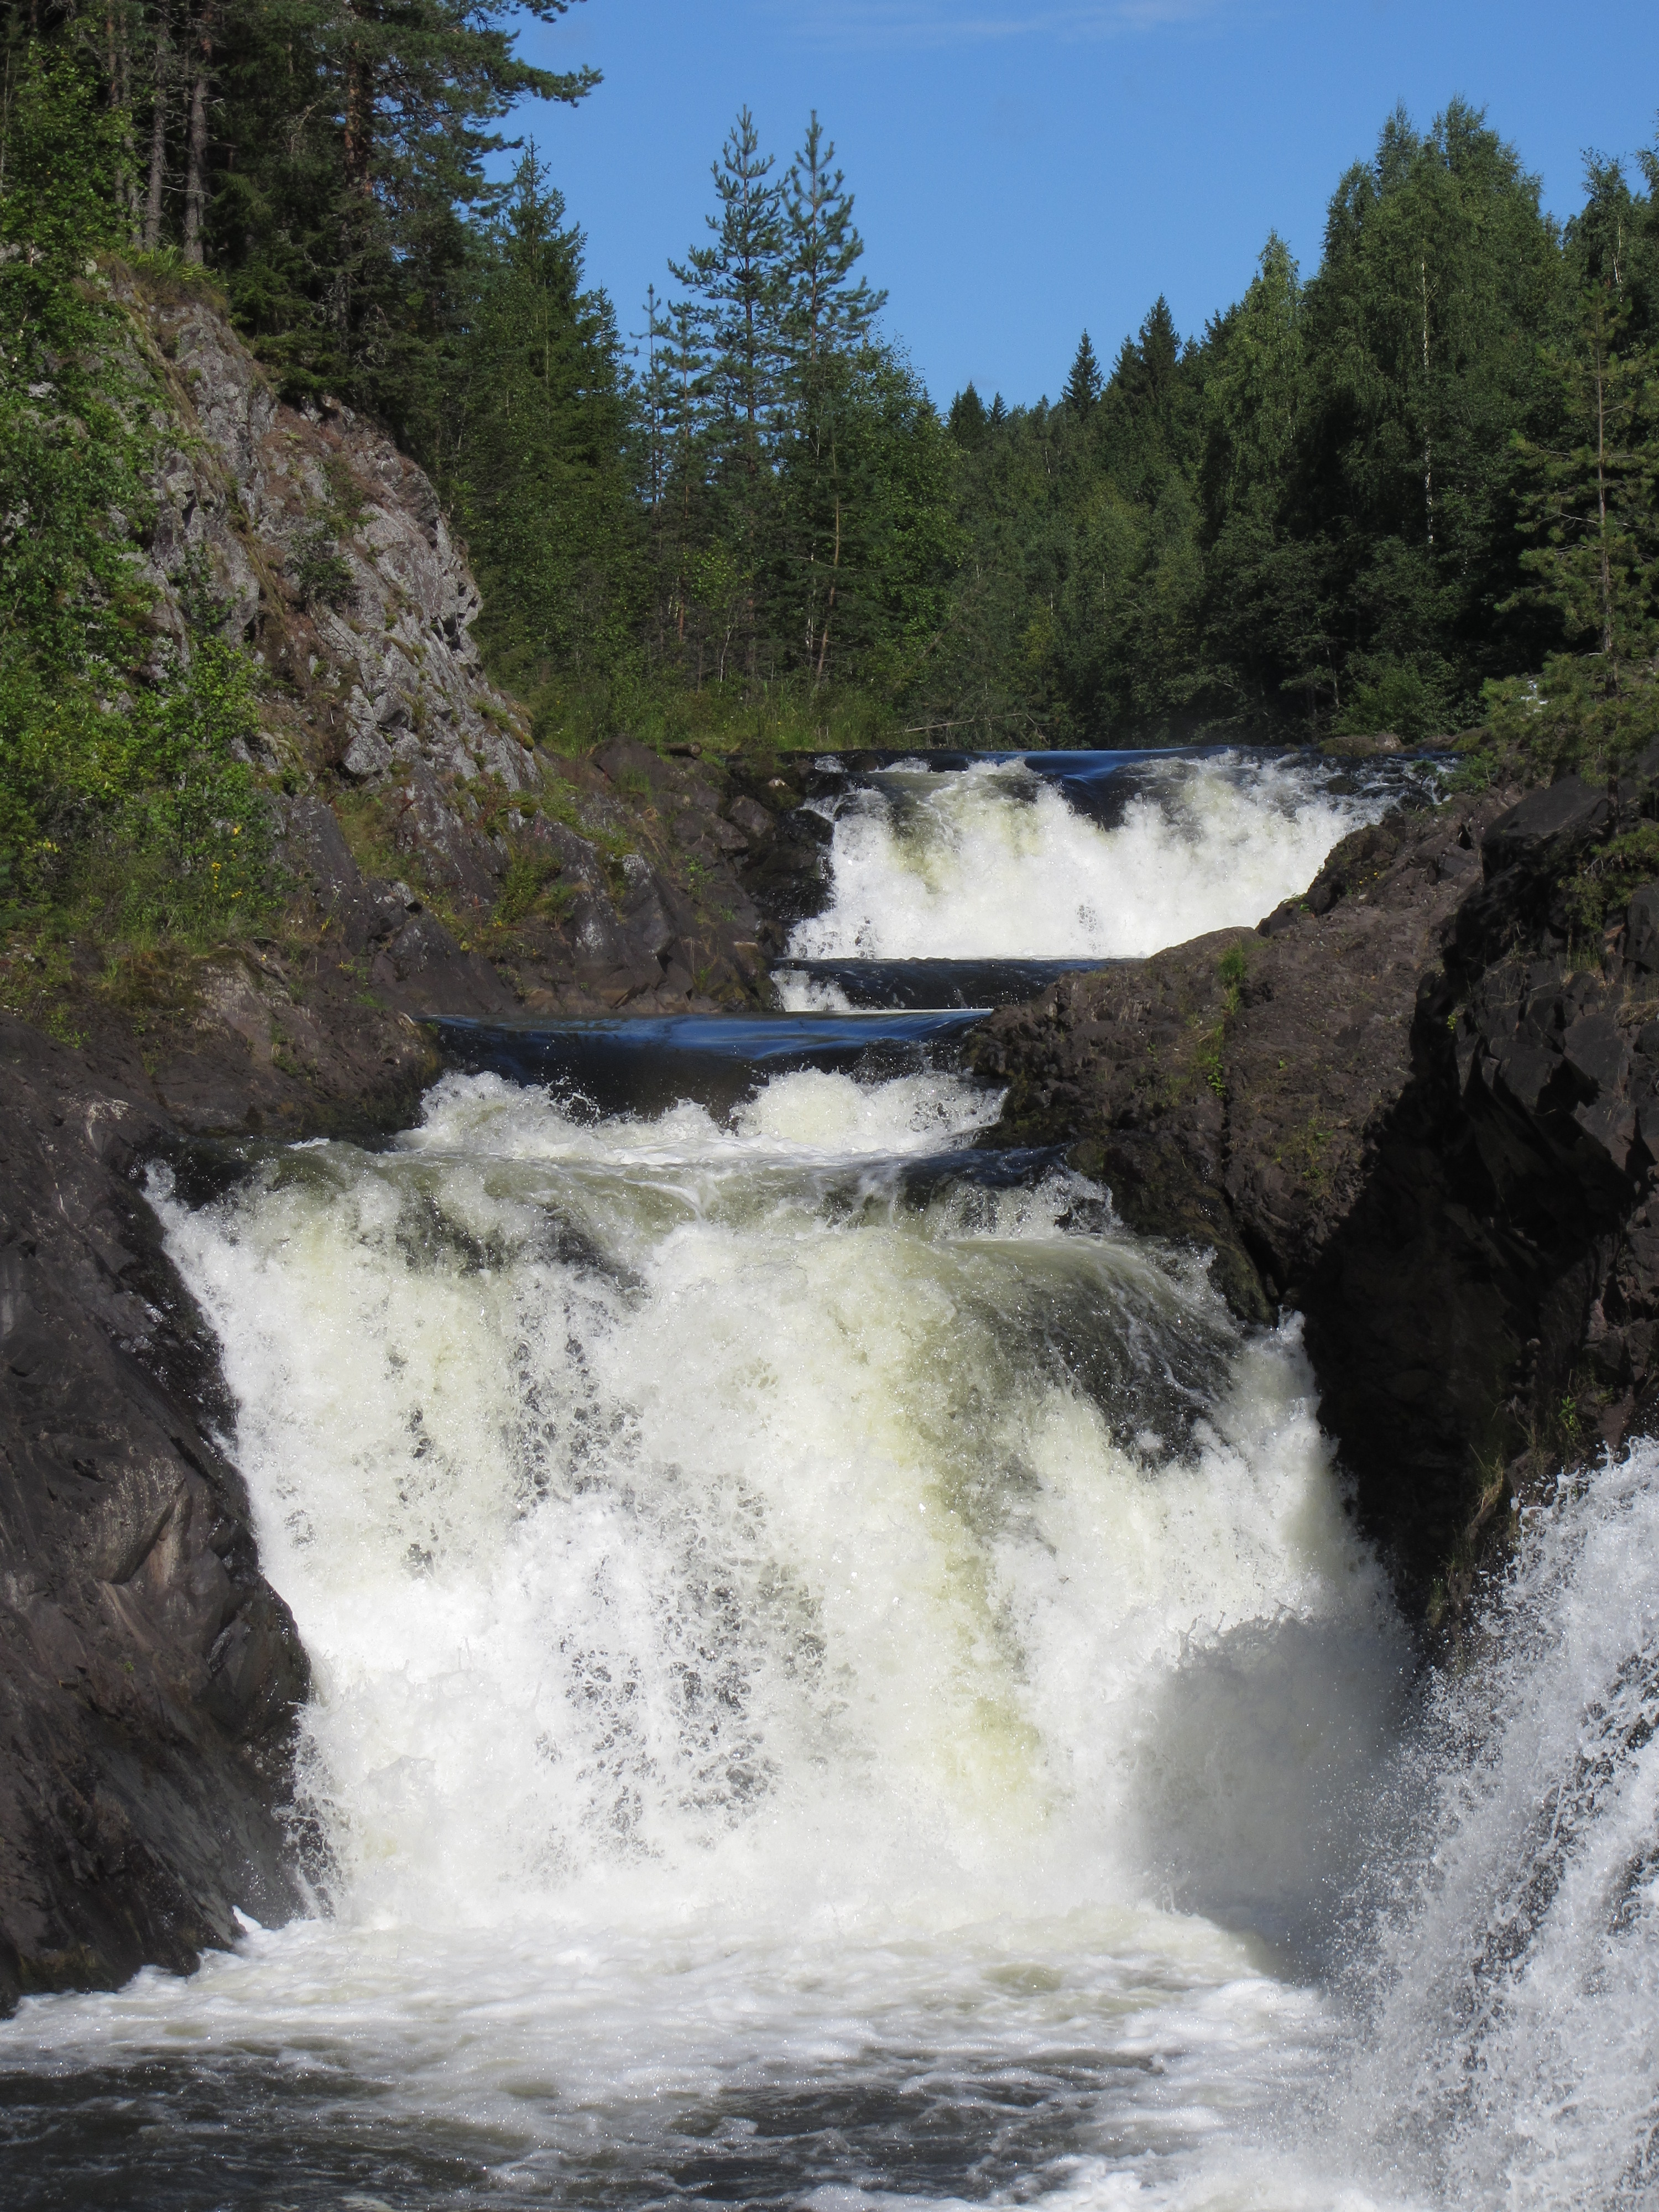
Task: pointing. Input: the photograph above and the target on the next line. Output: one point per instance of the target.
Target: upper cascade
(1007, 860)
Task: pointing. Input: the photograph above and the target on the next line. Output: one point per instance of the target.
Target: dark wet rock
(789, 878)
(1541, 829)
(1641, 938)
(646, 924)
(1400, 1108)
(755, 821)
(1370, 747)
(611, 961)
(578, 861)
(148, 1676)
(423, 966)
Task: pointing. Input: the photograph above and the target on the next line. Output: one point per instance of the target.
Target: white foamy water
(809, 994)
(992, 862)
(841, 1684)
(1513, 2056)
(782, 1646)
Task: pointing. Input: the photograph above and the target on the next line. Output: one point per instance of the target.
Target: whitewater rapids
(845, 1679)
(993, 862)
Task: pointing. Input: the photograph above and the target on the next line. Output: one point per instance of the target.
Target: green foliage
(145, 806)
(1611, 875)
(1232, 968)
(1208, 1059)
(1590, 478)
(67, 453)
(321, 573)
(123, 784)
(528, 890)
(1579, 714)
(1414, 699)
(533, 457)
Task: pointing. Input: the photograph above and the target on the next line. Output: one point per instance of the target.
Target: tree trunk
(359, 121)
(196, 154)
(118, 44)
(829, 606)
(158, 134)
(1602, 505)
(1428, 449)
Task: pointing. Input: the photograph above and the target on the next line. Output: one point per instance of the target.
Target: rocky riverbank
(1416, 1104)
(1415, 1107)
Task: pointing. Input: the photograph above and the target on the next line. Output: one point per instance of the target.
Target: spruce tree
(536, 442)
(1589, 507)
(736, 285)
(1082, 385)
(967, 419)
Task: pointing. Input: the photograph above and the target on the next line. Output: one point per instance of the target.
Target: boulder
(1642, 929)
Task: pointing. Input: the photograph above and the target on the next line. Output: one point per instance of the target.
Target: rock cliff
(1412, 1106)
(147, 1673)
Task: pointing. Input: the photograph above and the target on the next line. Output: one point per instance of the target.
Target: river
(845, 1678)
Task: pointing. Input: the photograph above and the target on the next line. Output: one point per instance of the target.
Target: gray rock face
(250, 485)
(578, 861)
(148, 1676)
(752, 818)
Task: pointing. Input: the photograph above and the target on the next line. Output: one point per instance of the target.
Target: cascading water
(842, 1675)
(1007, 859)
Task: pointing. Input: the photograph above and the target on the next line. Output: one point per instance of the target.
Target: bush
(321, 573)
(1578, 715)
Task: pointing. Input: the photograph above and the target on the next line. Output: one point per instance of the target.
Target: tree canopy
(1363, 495)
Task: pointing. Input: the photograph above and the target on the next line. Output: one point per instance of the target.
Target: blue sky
(1025, 167)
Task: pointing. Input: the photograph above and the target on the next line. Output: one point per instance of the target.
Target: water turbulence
(779, 1633)
(1091, 856)
(843, 1675)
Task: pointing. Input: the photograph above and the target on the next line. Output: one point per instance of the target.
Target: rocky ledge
(1410, 1106)
(149, 1674)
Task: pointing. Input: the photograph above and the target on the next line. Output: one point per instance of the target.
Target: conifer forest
(1380, 493)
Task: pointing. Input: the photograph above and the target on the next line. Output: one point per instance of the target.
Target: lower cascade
(844, 1676)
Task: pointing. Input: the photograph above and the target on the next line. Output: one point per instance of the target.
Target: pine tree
(737, 307)
(824, 310)
(323, 156)
(736, 287)
(1084, 383)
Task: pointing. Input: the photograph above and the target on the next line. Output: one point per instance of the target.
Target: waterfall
(1000, 860)
(844, 1675)
(1510, 1972)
